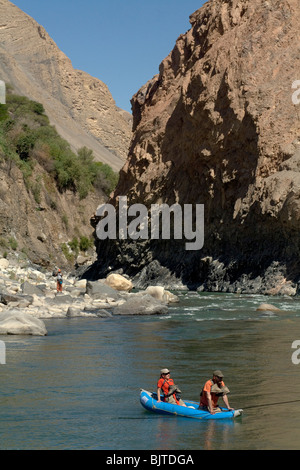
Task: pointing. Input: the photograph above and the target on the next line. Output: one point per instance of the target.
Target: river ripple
(78, 387)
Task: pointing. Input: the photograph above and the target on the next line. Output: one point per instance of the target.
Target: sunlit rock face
(80, 106)
(219, 126)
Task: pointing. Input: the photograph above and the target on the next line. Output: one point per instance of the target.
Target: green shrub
(65, 220)
(3, 112)
(36, 190)
(74, 245)
(13, 243)
(85, 243)
(24, 145)
(106, 178)
(4, 243)
(26, 136)
(37, 108)
(20, 106)
(69, 256)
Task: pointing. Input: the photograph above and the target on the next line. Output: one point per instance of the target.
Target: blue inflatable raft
(149, 402)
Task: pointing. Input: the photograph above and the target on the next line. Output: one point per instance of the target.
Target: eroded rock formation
(80, 106)
(217, 126)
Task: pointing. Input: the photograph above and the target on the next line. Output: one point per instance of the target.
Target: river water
(78, 387)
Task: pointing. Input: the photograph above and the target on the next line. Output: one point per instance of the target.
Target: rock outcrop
(36, 218)
(80, 106)
(141, 305)
(118, 282)
(19, 323)
(218, 126)
(39, 231)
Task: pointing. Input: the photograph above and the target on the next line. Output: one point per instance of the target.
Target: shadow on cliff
(206, 170)
(202, 170)
(215, 164)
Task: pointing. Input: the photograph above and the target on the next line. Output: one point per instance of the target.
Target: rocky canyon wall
(80, 106)
(218, 126)
(36, 219)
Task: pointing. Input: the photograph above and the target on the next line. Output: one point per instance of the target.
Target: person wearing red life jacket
(170, 391)
(212, 390)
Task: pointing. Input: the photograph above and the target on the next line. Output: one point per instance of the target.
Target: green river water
(78, 387)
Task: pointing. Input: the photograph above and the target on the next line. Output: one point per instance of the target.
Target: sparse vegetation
(13, 243)
(67, 253)
(4, 243)
(65, 220)
(85, 243)
(27, 138)
(73, 247)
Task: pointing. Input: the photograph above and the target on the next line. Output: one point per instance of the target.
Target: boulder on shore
(7, 298)
(159, 293)
(98, 290)
(19, 323)
(269, 307)
(141, 305)
(24, 297)
(31, 289)
(4, 263)
(118, 282)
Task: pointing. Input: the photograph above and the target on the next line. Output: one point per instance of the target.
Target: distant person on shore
(212, 391)
(59, 281)
(170, 391)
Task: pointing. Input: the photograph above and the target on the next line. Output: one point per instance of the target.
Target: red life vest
(166, 387)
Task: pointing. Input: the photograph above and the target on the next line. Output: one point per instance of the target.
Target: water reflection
(171, 432)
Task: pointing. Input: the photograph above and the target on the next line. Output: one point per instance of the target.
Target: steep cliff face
(218, 126)
(80, 106)
(41, 220)
(41, 231)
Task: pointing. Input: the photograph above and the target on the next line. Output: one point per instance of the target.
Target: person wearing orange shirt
(212, 390)
(166, 386)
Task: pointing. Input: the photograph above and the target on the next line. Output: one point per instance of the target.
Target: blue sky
(121, 42)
